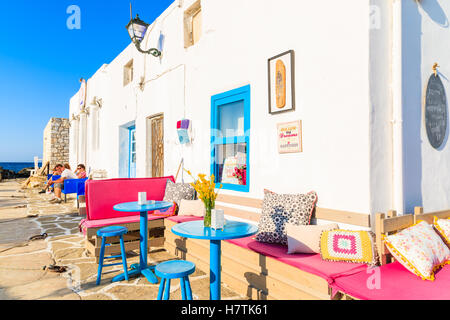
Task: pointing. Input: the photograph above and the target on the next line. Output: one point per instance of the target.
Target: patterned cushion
(419, 249)
(443, 227)
(166, 212)
(281, 209)
(349, 246)
(175, 192)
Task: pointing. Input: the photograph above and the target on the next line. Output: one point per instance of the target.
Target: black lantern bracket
(137, 30)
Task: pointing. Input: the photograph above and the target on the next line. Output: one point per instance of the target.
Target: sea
(17, 166)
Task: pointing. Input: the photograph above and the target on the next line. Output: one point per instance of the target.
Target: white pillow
(194, 208)
(306, 239)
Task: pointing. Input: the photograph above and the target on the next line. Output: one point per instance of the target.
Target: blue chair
(71, 187)
(81, 190)
(104, 233)
(176, 269)
(54, 178)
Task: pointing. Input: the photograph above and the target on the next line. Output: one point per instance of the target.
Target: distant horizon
(41, 73)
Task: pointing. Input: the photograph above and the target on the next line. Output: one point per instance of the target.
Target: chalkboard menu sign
(436, 111)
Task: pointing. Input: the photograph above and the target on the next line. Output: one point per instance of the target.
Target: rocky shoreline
(9, 174)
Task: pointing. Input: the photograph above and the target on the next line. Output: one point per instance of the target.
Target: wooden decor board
(281, 79)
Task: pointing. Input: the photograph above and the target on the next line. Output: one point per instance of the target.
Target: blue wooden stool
(106, 233)
(176, 269)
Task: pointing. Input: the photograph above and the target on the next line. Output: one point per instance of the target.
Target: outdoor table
(142, 267)
(232, 230)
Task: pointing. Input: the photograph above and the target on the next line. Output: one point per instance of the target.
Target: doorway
(155, 147)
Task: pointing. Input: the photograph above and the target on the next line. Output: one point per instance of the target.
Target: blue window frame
(132, 153)
(230, 139)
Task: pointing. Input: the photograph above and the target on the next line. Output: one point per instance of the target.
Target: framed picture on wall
(282, 83)
(290, 137)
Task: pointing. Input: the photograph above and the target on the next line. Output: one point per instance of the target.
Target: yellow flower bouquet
(206, 190)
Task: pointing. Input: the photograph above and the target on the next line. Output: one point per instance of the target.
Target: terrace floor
(25, 213)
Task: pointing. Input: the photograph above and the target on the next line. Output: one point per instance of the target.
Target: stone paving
(24, 214)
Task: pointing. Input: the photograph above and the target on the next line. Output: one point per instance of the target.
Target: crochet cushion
(281, 209)
(419, 249)
(349, 246)
(443, 227)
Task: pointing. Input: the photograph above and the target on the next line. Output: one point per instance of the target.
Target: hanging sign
(436, 111)
(82, 94)
(290, 137)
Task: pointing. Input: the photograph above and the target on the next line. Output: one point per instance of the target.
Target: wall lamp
(137, 30)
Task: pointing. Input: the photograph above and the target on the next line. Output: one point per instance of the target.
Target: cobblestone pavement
(24, 214)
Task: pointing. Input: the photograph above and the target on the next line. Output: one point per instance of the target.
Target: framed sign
(436, 116)
(290, 137)
(282, 83)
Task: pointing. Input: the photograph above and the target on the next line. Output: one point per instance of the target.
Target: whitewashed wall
(331, 43)
(426, 41)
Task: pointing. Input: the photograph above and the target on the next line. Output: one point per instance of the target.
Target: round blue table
(142, 267)
(232, 230)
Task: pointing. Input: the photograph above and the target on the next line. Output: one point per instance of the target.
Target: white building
(361, 67)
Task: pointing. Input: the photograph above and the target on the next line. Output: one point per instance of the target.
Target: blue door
(132, 154)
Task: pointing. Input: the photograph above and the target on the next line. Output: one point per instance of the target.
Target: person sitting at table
(81, 171)
(59, 184)
(56, 172)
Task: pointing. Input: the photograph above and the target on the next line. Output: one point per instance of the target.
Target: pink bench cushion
(103, 195)
(397, 283)
(182, 219)
(311, 263)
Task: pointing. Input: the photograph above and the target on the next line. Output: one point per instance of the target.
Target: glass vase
(207, 218)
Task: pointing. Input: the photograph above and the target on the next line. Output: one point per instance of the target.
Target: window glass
(231, 163)
(231, 119)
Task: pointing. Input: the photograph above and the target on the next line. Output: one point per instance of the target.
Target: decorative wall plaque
(436, 111)
(290, 137)
(282, 83)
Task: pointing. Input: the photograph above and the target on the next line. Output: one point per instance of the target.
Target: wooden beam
(243, 214)
(352, 218)
(396, 223)
(241, 201)
(357, 219)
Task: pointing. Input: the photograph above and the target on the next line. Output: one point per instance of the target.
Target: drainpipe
(83, 137)
(397, 106)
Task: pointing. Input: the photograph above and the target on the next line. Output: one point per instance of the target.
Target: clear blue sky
(41, 61)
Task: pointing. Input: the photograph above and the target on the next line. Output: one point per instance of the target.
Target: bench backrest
(250, 209)
(390, 223)
(103, 195)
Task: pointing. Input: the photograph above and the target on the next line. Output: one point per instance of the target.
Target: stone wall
(56, 142)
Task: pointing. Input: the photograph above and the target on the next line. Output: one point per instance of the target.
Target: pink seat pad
(396, 283)
(182, 219)
(87, 224)
(311, 263)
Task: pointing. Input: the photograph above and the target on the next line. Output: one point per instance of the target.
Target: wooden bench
(102, 195)
(390, 223)
(406, 286)
(254, 275)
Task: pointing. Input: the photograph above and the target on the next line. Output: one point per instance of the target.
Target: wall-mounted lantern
(137, 30)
